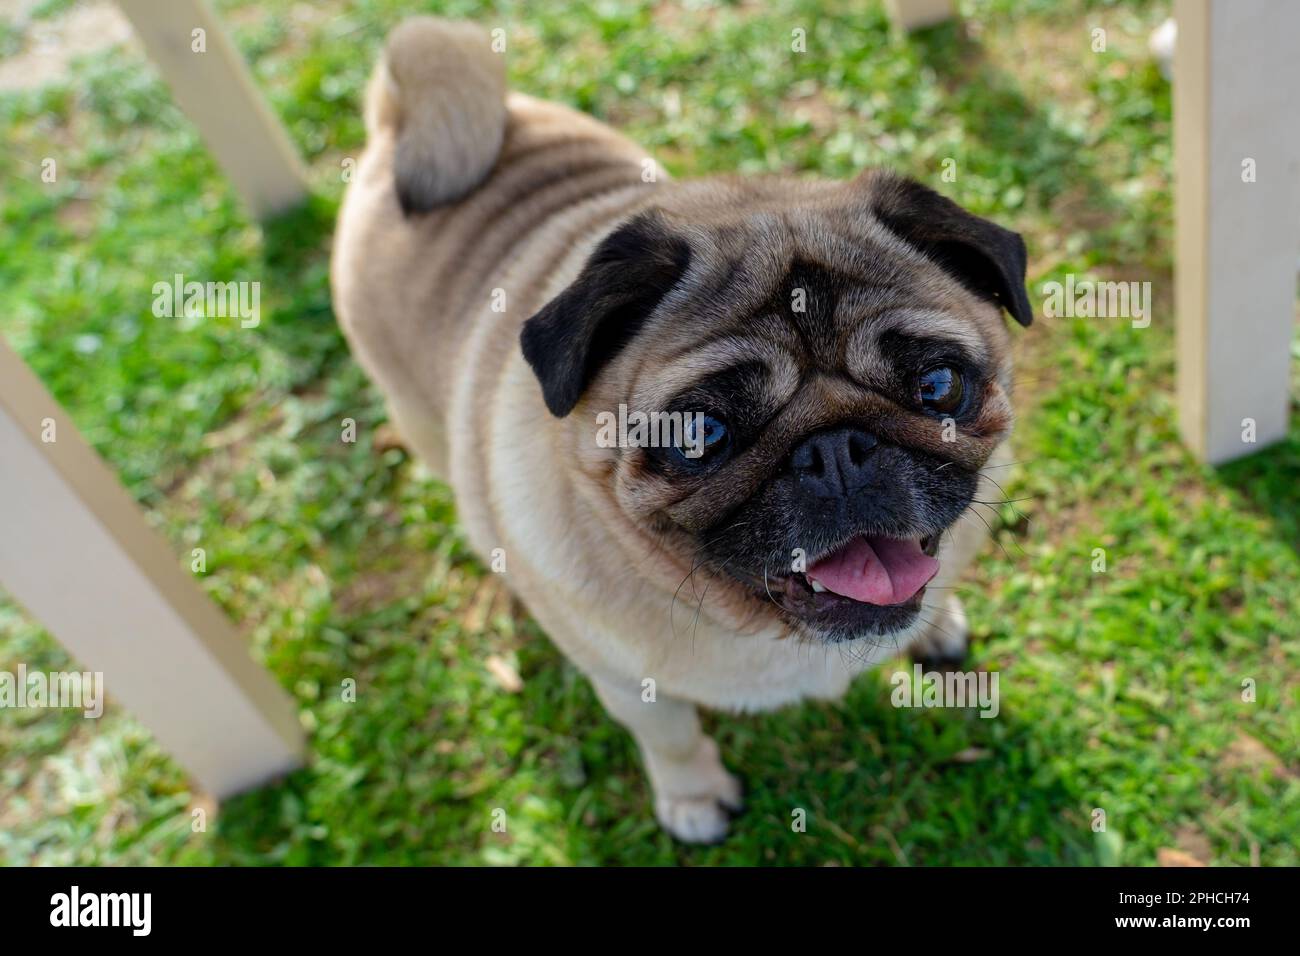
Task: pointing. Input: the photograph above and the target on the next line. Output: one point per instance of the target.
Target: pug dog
(511, 273)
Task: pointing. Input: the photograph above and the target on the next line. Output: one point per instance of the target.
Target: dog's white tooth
(817, 586)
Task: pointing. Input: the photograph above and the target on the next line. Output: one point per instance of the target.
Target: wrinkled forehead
(794, 294)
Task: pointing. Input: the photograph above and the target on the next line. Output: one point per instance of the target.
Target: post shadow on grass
(1269, 481)
(872, 784)
(295, 282)
(994, 111)
(860, 782)
(1049, 164)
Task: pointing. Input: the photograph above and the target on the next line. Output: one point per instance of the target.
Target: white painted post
(914, 14)
(212, 85)
(1237, 217)
(76, 552)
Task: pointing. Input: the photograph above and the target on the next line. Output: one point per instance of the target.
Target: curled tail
(441, 89)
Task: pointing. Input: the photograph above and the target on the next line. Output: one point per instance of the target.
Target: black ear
(582, 328)
(987, 259)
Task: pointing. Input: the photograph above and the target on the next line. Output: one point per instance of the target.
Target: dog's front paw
(694, 799)
(693, 819)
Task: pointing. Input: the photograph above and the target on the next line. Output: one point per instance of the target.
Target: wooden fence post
(1237, 219)
(77, 553)
(213, 86)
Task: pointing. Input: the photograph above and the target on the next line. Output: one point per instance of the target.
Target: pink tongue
(876, 570)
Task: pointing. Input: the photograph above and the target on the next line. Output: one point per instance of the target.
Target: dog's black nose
(831, 464)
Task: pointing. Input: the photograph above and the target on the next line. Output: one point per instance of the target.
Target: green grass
(1120, 690)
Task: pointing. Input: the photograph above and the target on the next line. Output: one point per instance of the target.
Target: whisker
(1022, 516)
(991, 534)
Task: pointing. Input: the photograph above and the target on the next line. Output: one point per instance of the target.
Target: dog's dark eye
(705, 436)
(940, 389)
